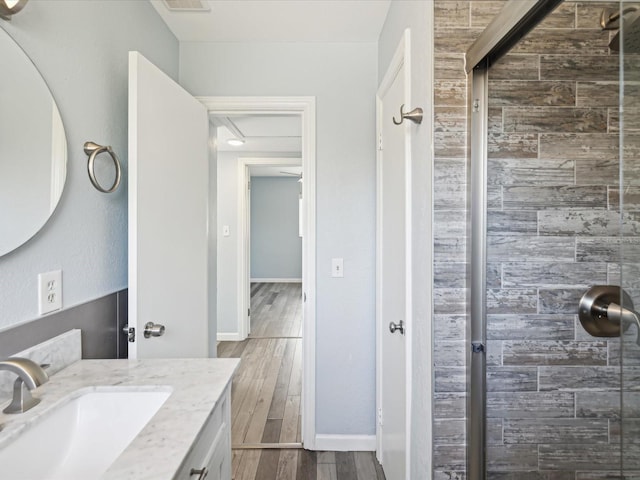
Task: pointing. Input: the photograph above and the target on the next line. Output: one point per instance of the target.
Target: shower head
(627, 22)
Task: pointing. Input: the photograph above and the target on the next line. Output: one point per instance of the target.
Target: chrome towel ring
(93, 150)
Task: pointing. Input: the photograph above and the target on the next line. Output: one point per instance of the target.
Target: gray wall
(227, 247)
(418, 16)
(101, 322)
(276, 247)
(81, 50)
(213, 242)
(342, 77)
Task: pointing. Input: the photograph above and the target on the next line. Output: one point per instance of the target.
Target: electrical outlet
(337, 267)
(49, 292)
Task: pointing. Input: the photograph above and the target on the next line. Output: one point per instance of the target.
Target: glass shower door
(553, 232)
(557, 178)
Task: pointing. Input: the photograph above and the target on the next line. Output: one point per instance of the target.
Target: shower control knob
(393, 327)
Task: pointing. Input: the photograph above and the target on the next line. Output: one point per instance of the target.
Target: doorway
(270, 227)
(304, 109)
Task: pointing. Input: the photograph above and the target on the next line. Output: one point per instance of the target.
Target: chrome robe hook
(414, 115)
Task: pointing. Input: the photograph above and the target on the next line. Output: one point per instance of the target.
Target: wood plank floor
(305, 465)
(265, 397)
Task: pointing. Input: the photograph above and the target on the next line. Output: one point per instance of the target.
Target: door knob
(397, 326)
(153, 330)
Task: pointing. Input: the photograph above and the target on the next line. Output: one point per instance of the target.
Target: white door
(168, 204)
(392, 288)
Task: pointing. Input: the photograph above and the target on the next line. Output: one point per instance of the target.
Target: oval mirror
(33, 148)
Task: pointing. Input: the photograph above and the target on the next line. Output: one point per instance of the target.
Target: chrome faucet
(30, 376)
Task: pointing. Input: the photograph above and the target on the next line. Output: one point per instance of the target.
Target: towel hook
(92, 149)
(414, 115)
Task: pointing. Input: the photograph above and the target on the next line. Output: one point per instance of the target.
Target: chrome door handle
(397, 326)
(153, 330)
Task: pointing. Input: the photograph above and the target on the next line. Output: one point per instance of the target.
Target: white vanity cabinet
(188, 438)
(210, 455)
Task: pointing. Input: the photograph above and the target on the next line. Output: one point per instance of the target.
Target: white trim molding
(306, 108)
(229, 337)
(276, 280)
(345, 443)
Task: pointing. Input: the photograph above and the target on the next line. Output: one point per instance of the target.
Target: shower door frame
(515, 20)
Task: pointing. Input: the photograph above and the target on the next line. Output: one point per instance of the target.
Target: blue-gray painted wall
(81, 50)
(343, 79)
(276, 247)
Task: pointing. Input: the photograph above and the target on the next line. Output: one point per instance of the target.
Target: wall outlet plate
(49, 292)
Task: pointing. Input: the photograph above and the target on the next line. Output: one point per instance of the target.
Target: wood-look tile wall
(553, 401)
(457, 23)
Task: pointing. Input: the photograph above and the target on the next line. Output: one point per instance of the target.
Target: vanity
(187, 435)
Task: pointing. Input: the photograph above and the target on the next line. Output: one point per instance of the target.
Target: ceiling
(261, 133)
(271, 21)
(275, 20)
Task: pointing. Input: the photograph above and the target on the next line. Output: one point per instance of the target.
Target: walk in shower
(555, 210)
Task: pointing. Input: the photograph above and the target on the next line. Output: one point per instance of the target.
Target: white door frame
(306, 108)
(401, 58)
(244, 235)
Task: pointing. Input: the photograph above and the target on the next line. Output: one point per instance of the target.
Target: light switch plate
(337, 267)
(49, 292)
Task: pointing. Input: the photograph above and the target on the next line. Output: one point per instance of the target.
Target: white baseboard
(276, 280)
(229, 337)
(345, 443)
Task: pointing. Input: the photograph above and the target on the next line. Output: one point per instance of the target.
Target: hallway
(266, 390)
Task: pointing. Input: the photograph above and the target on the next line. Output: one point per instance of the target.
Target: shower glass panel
(553, 231)
(628, 429)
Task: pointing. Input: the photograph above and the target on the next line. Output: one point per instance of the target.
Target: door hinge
(248, 312)
(304, 297)
(380, 142)
(130, 332)
(380, 416)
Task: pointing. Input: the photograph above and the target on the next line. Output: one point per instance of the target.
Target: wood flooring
(266, 393)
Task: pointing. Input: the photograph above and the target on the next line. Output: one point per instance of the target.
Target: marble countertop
(158, 450)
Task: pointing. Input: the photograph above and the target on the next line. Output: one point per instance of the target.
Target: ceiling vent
(187, 5)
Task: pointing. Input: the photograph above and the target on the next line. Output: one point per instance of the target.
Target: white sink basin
(81, 438)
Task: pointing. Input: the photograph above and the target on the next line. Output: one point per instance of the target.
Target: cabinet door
(219, 464)
(210, 456)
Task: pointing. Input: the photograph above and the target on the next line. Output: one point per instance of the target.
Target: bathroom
(81, 50)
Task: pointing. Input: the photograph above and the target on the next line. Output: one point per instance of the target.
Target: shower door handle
(601, 315)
